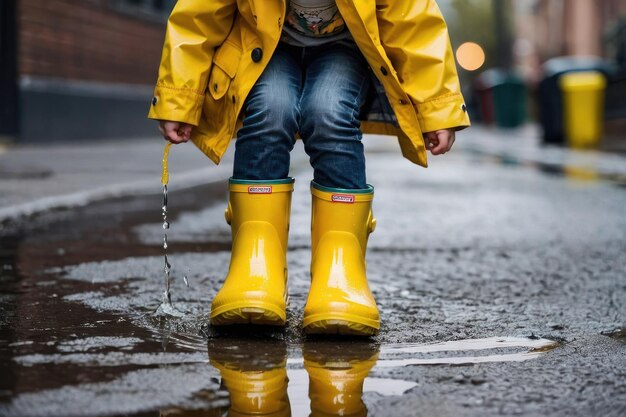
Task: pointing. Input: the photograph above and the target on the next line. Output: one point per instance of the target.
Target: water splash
(185, 277)
(167, 308)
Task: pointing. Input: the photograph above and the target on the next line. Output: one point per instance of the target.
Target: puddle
(333, 378)
(85, 339)
(279, 376)
(533, 349)
(244, 376)
(618, 333)
(329, 379)
(580, 167)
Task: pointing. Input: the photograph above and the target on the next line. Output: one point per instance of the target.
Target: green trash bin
(509, 99)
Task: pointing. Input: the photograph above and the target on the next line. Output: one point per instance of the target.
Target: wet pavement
(501, 285)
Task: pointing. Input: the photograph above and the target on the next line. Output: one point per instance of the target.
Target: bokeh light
(470, 56)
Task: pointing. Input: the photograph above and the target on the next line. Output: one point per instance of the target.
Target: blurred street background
(82, 70)
(499, 271)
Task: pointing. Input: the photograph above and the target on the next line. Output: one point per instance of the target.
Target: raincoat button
(402, 101)
(257, 54)
(464, 108)
(154, 101)
(383, 70)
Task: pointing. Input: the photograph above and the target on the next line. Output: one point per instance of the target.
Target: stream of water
(166, 306)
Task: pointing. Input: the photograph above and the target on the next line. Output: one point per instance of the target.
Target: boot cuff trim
(261, 187)
(339, 195)
(288, 180)
(368, 190)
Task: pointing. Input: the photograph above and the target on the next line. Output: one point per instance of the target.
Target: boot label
(342, 198)
(259, 189)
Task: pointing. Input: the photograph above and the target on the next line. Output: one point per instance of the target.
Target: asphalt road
(501, 285)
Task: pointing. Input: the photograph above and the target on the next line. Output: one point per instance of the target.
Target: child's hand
(440, 141)
(175, 132)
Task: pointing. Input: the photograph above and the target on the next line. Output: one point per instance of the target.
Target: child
(320, 69)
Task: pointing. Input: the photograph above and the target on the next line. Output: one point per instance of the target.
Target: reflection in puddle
(471, 344)
(581, 173)
(577, 166)
(256, 377)
(336, 375)
(537, 347)
(331, 377)
(254, 374)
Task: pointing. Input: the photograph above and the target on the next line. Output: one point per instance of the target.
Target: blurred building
(78, 69)
(550, 28)
(553, 28)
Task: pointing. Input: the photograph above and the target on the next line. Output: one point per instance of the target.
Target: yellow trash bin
(583, 107)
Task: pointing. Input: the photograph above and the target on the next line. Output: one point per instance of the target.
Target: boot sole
(248, 314)
(341, 326)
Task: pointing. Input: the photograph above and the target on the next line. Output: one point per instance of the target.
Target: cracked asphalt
(477, 247)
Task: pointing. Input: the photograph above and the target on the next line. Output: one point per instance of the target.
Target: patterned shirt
(313, 23)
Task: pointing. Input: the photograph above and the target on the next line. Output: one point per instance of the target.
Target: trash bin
(509, 100)
(483, 89)
(583, 105)
(550, 96)
(502, 98)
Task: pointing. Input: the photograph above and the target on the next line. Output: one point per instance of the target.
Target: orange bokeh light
(470, 56)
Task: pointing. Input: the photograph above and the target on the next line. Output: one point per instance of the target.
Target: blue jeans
(316, 92)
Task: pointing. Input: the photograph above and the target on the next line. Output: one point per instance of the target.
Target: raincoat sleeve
(415, 37)
(194, 29)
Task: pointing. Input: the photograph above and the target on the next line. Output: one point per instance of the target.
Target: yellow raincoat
(215, 50)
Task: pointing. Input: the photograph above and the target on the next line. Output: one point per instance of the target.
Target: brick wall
(86, 40)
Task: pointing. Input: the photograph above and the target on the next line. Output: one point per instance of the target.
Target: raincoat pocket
(225, 64)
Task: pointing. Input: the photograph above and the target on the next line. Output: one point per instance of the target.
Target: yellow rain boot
(340, 300)
(336, 378)
(255, 289)
(255, 375)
